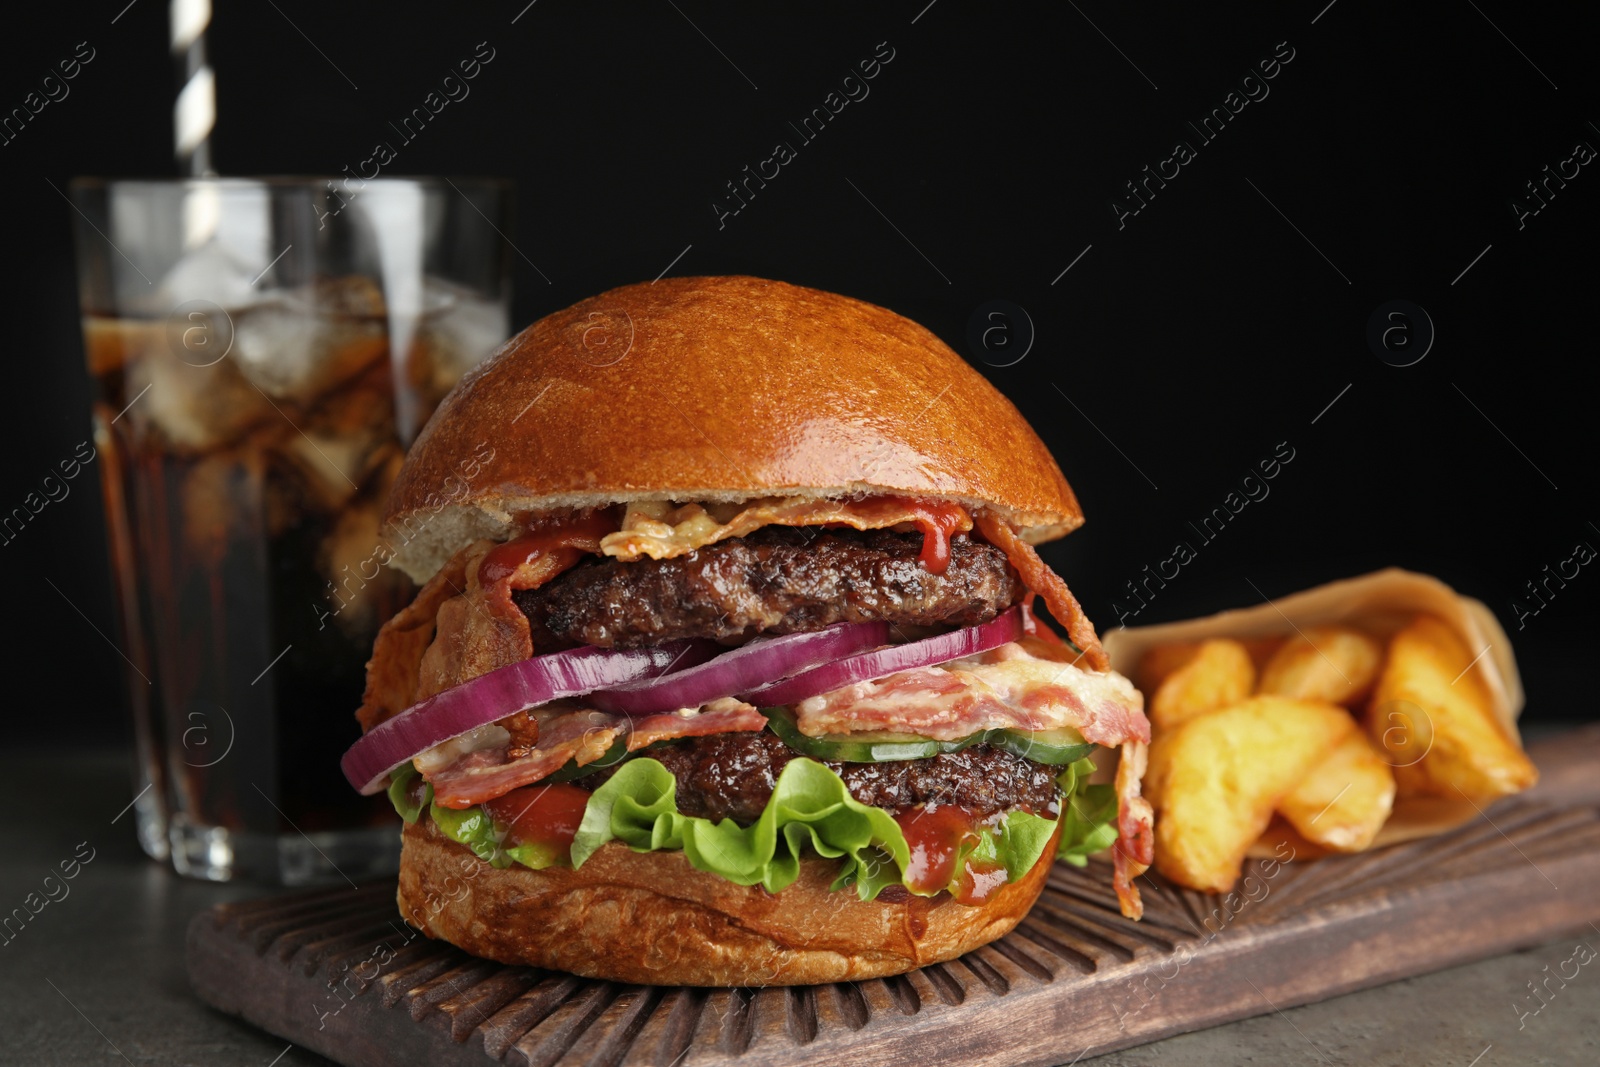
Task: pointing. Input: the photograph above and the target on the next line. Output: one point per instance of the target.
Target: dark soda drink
(246, 458)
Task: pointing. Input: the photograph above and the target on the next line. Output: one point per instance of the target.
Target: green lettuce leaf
(400, 793)
(473, 828)
(810, 807)
(1089, 820)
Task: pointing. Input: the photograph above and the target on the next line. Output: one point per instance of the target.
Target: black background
(1191, 341)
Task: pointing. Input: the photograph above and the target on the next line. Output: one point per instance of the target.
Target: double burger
(725, 667)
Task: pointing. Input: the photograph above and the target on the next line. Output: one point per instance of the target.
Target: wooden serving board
(337, 971)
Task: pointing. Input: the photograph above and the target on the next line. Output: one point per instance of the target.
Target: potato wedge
(1431, 714)
(1220, 673)
(1261, 649)
(1331, 663)
(1283, 843)
(1154, 783)
(1218, 778)
(1345, 799)
(1159, 664)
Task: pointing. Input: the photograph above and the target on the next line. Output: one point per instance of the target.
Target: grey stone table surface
(97, 976)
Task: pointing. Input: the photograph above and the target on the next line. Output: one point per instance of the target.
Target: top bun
(716, 389)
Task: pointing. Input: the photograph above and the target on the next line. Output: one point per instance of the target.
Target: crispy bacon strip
(1134, 849)
(527, 562)
(481, 630)
(463, 622)
(393, 670)
(1036, 575)
(483, 775)
(724, 716)
(1035, 627)
(582, 736)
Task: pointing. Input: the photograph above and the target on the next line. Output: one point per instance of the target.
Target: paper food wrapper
(1378, 604)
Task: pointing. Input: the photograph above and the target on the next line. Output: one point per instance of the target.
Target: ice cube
(329, 466)
(460, 332)
(211, 273)
(198, 241)
(308, 340)
(194, 408)
(344, 439)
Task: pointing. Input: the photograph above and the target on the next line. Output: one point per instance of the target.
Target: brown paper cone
(1379, 604)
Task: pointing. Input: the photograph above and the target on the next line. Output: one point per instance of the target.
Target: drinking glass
(262, 352)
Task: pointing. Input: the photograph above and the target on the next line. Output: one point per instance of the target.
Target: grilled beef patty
(778, 579)
(731, 776)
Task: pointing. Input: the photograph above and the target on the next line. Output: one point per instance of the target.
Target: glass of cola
(262, 352)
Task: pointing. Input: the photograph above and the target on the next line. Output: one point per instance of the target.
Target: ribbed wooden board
(338, 972)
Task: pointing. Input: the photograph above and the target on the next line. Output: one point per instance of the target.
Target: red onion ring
(503, 692)
(865, 666)
(760, 662)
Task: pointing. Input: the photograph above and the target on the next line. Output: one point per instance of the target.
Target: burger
(725, 667)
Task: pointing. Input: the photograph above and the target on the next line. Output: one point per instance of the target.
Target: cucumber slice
(854, 748)
(1054, 747)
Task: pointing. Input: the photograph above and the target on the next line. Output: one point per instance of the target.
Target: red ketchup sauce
(979, 882)
(936, 836)
(938, 520)
(502, 561)
(546, 815)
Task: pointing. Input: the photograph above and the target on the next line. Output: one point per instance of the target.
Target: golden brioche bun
(716, 389)
(651, 918)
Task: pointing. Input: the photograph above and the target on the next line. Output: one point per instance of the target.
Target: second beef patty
(731, 776)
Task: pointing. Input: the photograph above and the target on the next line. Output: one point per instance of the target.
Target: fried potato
(1261, 649)
(1403, 733)
(1218, 674)
(1159, 761)
(1158, 664)
(1331, 663)
(1432, 715)
(1218, 778)
(1283, 843)
(1345, 799)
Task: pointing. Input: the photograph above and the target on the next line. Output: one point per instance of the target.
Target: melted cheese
(431, 761)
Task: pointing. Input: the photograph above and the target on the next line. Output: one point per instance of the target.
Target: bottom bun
(650, 918)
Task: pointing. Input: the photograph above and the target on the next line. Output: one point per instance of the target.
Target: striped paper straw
(195, 112)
